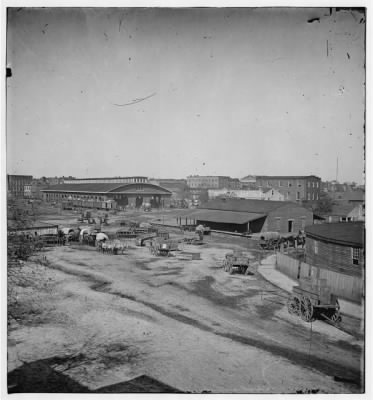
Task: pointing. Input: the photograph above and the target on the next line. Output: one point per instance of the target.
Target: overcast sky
(225, 92)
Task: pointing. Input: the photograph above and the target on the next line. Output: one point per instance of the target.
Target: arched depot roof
(108, 188)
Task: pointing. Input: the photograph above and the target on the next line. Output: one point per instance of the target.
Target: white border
(179, 3)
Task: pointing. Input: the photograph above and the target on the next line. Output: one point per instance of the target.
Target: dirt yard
(105, 319)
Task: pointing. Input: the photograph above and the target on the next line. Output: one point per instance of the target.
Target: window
(289, 184)
(355, 255)
(309, 184)
(308, 196)
(298, 196)
(316, 247)
(278, 224)
(279, 183)
(303, 222)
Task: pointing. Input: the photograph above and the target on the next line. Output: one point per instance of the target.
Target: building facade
(16, 185)
(212, 182)
(294, 188)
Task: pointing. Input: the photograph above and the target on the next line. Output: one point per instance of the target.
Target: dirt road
(186, 323)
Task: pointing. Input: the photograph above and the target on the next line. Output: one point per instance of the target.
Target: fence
(344, 286)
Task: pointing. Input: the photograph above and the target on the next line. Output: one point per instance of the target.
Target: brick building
(239, 215)
(16, 184)
(212, 182)
(294, 188)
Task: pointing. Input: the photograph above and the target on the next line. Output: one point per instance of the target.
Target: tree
(325, 204)
(20, 247)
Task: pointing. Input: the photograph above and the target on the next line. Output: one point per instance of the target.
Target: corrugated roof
(106, 188)
(226, 217)
(343, 233)
(246, 205)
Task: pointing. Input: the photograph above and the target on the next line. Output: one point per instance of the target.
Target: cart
(161, 247)
(313, 300)
(237, 262)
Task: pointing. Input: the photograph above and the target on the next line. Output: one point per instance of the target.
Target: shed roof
(352, 195)
(246, 205)
(13, 225)
(343, 233)
(226, 217)
(341, 210)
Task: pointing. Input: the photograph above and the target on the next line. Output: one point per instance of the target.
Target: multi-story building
(213, 182)
(16, 184)
(294, 188)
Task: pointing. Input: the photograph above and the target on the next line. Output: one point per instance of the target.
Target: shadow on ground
(40, 377)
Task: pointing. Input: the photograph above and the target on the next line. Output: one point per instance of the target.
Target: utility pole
(336, 175)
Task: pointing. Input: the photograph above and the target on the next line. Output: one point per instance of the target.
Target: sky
(168, 93)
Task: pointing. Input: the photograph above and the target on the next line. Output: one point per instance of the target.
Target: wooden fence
(344, 286)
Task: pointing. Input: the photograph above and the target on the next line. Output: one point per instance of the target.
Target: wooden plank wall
(344, 286)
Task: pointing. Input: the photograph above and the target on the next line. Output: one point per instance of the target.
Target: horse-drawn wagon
(312, 299)
(237, 262)
(163, 247)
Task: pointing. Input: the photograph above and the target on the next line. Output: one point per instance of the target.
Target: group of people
(111, 247)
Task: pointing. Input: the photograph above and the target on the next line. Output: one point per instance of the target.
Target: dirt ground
(106, 319)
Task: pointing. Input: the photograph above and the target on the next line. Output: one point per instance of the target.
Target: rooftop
(227, 217)
(245, 205)
(13, 225)
(104, 188)
(286, 176)
(343, 233)
(109, 177)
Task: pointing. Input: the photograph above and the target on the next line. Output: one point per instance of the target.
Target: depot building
(124, 194)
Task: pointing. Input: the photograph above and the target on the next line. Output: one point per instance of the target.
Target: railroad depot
(133, 195)
(250, 216)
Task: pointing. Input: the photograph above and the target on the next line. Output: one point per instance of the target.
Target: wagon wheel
(293, 305)
(306, 309)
